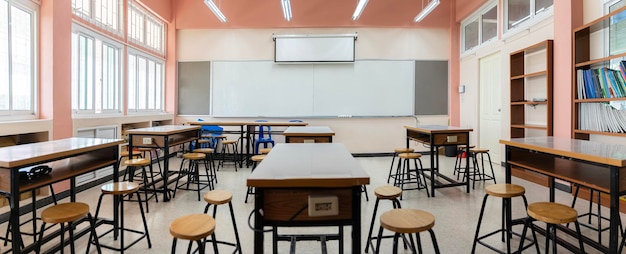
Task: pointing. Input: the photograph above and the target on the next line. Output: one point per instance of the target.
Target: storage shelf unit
(589, 42)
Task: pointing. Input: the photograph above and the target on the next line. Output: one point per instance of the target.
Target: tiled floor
(455, 210)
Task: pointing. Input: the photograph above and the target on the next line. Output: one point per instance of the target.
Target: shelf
(619, 134)
(530, 75)
(531, 103)
(599, 60)
(530, 126)
(599, 100)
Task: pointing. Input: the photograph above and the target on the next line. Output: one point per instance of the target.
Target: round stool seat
(553, 213)
(125, 153)
(137, 162)
(119, 188)
(257, 158)
(228, 142)
(407, 220)
(204, 150)
(218, 197)
(479, 150)
(505, 190)
(409, 155)
(265, 150)
(194, 156)
(403, 150)
(204, 141)
(66, 212)
(192, 227)
(387, 192)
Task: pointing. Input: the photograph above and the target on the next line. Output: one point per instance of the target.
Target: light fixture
(429, 8)
(359, 9)
(215, 10)
(286, 9)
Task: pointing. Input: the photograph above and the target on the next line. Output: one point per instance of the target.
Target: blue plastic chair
(210, 130)
(264, 137)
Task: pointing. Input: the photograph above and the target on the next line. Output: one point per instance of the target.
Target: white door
(490, 106)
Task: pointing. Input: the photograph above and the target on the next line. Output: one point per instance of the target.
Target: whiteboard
(264, 88)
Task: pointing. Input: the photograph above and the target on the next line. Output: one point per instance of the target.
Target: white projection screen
(314, 48)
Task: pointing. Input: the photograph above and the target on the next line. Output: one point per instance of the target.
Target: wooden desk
(437, 136)
(291, 172)
(163, 137)
(308, 134)
(68, 158)
(241, 131)
(595, 165)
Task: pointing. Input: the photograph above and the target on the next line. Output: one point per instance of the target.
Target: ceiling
(194, 14)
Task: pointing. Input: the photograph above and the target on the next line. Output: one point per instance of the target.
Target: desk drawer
(309, 140)
(449, 139)
(282, 204)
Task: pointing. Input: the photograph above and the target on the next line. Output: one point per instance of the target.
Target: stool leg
(379, 237)
(173, 246)
(435, 245)
(480, 219)
(369, 234)
(391, 167)
(39, 242)
(493, 175)
(92, 224)
(579, 236)
(418, 240)
(232, 215)
(395, 243)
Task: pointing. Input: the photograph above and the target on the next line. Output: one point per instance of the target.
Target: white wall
(360, 135)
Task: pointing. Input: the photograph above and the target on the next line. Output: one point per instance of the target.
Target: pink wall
(454, 110)
(55, 70)
(161, 8)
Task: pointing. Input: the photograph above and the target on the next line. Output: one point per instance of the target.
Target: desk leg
(14, 204)
(433, 168)
(614, 233)
(258, 221)
(356, 220)
(166, 169)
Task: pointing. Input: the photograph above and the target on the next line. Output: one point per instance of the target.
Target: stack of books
(601, 82)
(604, 117)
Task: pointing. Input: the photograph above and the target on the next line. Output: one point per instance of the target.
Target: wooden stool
(407, 221)
(209, 165)
(226, 149)
(387, 192)
(193, 173)
(67, 213)
(407, 175)
(192, 227)
(551, 214)
(393, 158)
(477, 175)
(461, 153)
(216, 198)
(124, 154)
(134, 164)
(255, 160)
(506, 192)
(122, 190)
(33, 219)
(265, 150)
(598, 214)
(158, 159)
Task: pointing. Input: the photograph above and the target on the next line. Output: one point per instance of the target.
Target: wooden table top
(308, 131)
(598, 152)
(20, 155)
(437, 129)
(163, 130)
(308, 165)
(251, 123)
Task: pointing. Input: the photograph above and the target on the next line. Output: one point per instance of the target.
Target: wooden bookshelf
(531, 78)
(589, 53)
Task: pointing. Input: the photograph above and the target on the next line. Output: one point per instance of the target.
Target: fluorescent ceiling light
(359, 9)
(429, 8)
(215, 10)
(286, 9)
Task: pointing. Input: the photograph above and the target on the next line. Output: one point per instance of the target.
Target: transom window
(519, 12)
(106, 14)
(18, 27)
(480, 28)
(144, 29)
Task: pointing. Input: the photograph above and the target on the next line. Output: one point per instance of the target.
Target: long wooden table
(68, 158)
(163, 137)
(595, 165)
(287, 176)
(439, 136)
(308, 134)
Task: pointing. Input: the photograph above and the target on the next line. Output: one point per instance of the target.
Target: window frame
(141, 39)
(533, 19)
(33, 113)
(159, 90)
(477, 17)
(91, 19)
(97, 110)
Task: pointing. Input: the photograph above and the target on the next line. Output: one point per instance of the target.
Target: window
(144, 29)
(96, 68)
(481, 27)
(17, 59)
(518, 12)
(145, 83)
(106, 14)
(617, 30)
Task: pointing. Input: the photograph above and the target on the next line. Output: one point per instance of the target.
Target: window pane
(159, 86)
(21, 63)
(132, 82)
(110, 77)
(4, 56)
(542, 5)
(518, 12)
(75, 73)
(471, 35)
(617, 30)
(141, 83)
(85, 75)
(489, 21)
(151, 84)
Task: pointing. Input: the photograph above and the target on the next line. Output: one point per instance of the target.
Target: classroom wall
(361, 135)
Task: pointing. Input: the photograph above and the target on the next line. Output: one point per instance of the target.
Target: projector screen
(317, 48)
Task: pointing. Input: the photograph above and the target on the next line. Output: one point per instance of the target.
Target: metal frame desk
(68, 158)
(292, 172)
(595, 165)
(437, 136)
(163, 137)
